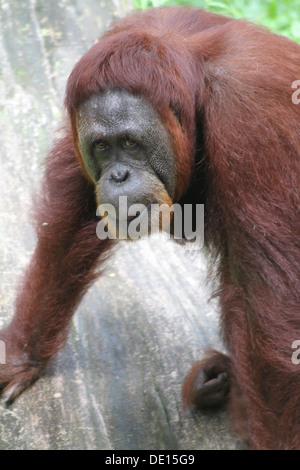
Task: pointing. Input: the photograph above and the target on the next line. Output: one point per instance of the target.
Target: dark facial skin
(126, 149)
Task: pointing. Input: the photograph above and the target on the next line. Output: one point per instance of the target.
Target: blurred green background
(281, 16)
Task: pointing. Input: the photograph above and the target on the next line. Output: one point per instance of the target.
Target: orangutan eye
(100, 145)
(129, 142)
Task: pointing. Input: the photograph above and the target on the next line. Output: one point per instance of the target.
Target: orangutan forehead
(120, 111)
(116, 105)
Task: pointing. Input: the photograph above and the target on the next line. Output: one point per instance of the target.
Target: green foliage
(143, 4)
(281, 16)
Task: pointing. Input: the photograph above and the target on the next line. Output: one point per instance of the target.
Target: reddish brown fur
(237, 148)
